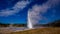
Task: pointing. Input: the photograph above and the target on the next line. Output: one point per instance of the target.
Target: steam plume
(34, 14)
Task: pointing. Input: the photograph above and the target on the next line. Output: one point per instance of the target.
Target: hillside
(49, 30)
(54, 24)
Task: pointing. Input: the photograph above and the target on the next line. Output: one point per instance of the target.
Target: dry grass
(50, 30)
(5, 31)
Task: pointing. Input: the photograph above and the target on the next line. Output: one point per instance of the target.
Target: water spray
(29, 24)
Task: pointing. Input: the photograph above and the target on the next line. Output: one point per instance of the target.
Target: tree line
(14, 25)
(55, 23)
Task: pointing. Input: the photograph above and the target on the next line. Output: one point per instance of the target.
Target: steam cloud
(34, 13)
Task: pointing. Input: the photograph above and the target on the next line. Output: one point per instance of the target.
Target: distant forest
(55, 23)
(14, 25)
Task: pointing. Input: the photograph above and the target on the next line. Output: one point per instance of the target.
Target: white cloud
(34, 13)
(17, 7)
(8, 12)
(20, 5)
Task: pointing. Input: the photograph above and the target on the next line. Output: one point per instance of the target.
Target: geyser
(29, 24)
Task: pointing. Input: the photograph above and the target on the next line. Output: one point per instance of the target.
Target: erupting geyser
(29, 24)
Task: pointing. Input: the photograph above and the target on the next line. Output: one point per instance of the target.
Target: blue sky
(41, 11)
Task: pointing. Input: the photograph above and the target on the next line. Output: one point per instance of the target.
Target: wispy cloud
(17, 7)
(20, 5)
(34, 13)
